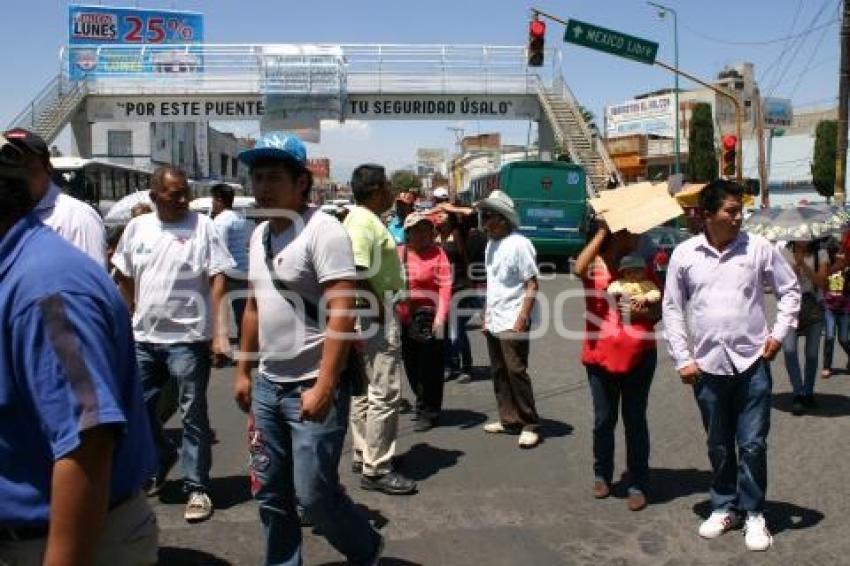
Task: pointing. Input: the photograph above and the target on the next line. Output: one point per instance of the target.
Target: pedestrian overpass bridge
(287, 86)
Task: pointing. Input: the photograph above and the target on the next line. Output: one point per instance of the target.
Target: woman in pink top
(423, 317)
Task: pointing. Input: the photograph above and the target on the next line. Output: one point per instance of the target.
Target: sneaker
(199, 507)
(797, 407)
(719, 523)
(424, 424)
(601, 489)
(756, 535)
(391, 483)
(495, 428)
(529, 438)
(157, 482)
(826, 373)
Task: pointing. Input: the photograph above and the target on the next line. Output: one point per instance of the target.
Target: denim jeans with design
(189, 365)
(736, 415)
(296, 462)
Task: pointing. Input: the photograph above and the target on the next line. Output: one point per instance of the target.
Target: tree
(823, 166)
(405, 179)
(702, 156)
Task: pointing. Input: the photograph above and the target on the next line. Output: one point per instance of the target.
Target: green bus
(550, 197)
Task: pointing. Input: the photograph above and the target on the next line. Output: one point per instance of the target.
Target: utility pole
(759, 117)
(843, 88)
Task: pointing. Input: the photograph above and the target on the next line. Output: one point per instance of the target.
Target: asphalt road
(484, 501)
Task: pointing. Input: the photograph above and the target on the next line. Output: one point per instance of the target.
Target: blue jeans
(189, 365)
(837, 325)
(295, 461)
(458, 348)
(800, 384)
(608, 390)
(736, 410)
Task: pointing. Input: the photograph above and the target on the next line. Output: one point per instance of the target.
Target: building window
(181, 153)
(225, 160)
(234, 167)
(119, 143)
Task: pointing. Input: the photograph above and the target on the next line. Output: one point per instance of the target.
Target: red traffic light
(730, 142)
(537, 28)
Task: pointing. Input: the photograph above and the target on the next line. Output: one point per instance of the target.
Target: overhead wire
(795, 47)
(766, 42)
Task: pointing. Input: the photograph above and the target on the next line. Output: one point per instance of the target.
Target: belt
(17, 534)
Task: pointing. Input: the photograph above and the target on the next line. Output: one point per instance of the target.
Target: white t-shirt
(305, 255)
(235, 231)
(75, 221)
(171, 264)
(510, 262)
(806, 284)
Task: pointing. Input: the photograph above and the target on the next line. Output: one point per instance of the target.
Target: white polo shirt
(171, 264)
(75, 221)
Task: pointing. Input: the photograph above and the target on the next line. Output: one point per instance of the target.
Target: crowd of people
(331, 316)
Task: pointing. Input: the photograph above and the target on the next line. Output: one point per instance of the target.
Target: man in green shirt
(374, 416)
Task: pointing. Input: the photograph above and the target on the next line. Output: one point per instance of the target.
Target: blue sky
(711, 35)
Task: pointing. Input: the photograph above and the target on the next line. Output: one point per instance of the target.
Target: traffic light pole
(739, 120)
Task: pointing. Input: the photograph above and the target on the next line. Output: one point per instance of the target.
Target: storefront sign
(653, 115)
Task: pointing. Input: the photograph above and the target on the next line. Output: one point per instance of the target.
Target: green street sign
(610, 41)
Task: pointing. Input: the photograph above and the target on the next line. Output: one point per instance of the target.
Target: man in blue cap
(75, 445)
(301, 270)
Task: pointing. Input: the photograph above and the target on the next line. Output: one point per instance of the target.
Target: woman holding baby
(623, 305)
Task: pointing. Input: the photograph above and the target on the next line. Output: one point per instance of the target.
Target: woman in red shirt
(620, 357)
(423, 317)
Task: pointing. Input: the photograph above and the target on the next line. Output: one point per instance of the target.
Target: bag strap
(310, 308)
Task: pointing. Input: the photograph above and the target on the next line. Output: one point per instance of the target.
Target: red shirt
(429, 281)
(608, 343)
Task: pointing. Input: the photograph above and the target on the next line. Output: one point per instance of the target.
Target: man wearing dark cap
(301, 270)
(75, 445)
(73, 219)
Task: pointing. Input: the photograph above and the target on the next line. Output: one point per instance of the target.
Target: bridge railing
(305, 69)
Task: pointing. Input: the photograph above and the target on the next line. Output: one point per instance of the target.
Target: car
(665, 239)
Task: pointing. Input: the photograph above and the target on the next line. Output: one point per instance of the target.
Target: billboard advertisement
(120, 41)
(652, 115)
(777, 112)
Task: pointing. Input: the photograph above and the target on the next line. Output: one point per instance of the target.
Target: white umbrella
(120, 211)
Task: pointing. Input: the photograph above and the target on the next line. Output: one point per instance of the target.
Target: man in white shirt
(302, 270)
(73, 219)
(235, 230)
(512, 272)
(171, 266)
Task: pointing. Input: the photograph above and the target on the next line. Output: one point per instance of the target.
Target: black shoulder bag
(353, 375)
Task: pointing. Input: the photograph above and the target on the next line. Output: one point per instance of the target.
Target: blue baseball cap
(276, 145)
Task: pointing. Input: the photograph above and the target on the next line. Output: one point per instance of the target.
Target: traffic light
(728, 161)
(536, 36)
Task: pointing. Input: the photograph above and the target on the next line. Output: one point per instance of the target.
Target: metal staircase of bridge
(573, 134)
(327, 74)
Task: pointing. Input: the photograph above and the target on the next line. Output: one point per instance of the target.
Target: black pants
(509, 367)
(424, 363)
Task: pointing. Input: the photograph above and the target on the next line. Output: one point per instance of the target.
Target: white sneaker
(756, 535)
(495, 428)
(717, 524)
(528, 438)
(199, 507)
